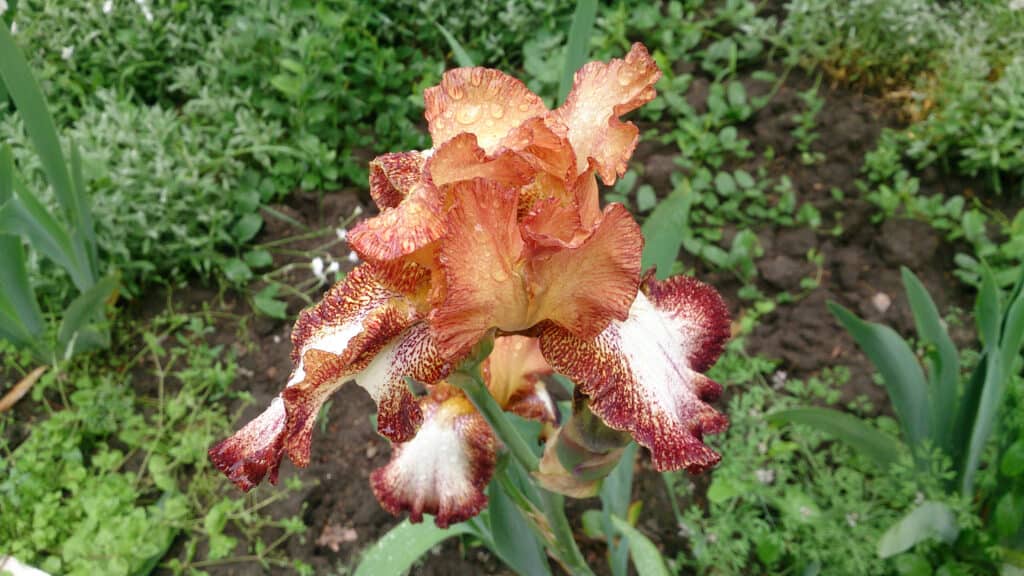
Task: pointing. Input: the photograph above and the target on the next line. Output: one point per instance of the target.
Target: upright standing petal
(480, 101)
(396, 232)
(600, 94)
(461, 158)
(445, 468)
(641, 374)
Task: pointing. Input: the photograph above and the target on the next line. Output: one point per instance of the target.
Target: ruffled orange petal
(393, 175)
(461, 158)
(601, 94)
(565, 219)
(641, 374)
(363, 330)
(411, 225)
(480, 260)
(445, 468)
(480, 101)
(585, 284)
(544, 143)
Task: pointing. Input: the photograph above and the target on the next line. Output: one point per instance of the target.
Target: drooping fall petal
(393, 175)
(255, 450)
(480, 101)
(363, 330)
(641, 374)
(601, 93)
(445, 468)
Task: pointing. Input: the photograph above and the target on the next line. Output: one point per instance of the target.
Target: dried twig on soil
(20, 389)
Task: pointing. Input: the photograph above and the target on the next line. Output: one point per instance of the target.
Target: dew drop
(625, 76)
(468, 114)
(497, 111)
(499, 275)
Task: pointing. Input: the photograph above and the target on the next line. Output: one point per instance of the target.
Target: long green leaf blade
(943, 359)
(903, 377)
(665, 229)
(461, 56)
(76, 335)
(30, 102)
(1003, 334)
(578, 46)
(16, 295)
(927, 521)
(514, 540)
(646, 557)
(399, 549)
(616, 493)
(872, 443)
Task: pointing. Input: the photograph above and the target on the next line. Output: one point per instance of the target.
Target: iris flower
(498, 230)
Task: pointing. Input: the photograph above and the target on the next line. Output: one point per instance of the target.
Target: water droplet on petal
(625, 76)
(499, 275)
(497, 111)
(468, 114)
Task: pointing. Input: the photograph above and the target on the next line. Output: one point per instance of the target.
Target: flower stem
(565, 551)
(477, 392)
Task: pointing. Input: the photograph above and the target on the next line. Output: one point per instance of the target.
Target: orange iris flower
(498, 229)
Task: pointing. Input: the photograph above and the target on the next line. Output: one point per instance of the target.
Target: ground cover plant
(801, 157)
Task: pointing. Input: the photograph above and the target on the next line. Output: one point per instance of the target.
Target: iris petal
(642, 374)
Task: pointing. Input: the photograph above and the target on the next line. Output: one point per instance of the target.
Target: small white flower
(779, 378)
(317, 264)
(765, 476)
(357, 211)
(341, 233)
(14, 28)
(1016, 5)
(3, 6)
(918, 499)
(762, 447)
(805, 511)
(277, 339)
(333, 268)
(881, 301)
(712, 538)
(852, 518)
(108, 6)
(67, 52)
(353, 257)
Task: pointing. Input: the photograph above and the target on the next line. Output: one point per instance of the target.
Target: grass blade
(461, 56)
(76, 333)
(878, 446)
(578, 46)
(646, 557)
(903, 377)
(616, 492)
(29, 100)
(17, 298)
(927, 521)
(943, 358)
(399, 549)
(665, 229)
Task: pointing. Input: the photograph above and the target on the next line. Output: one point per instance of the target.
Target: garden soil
(860, 269)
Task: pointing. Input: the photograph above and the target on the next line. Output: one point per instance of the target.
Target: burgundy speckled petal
(641, 374)
(445, 468)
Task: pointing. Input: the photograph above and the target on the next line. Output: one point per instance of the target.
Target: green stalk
(566, 551)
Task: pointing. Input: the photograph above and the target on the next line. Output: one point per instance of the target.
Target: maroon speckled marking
(398, 493)
(602, 372)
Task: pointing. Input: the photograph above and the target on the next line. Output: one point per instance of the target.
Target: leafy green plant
(70, 243)
(938, 413)
(789, 500)
(106, 451)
